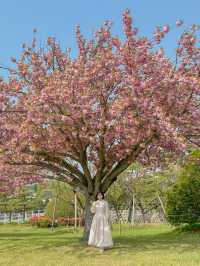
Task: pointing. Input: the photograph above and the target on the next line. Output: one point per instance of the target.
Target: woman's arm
(93, 207)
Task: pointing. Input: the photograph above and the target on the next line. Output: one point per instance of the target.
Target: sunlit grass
(148, 245)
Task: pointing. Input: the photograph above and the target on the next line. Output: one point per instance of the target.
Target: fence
(138, 218)
(18, 217)
(123, 217)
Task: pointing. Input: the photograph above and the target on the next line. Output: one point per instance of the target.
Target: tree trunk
(130, 210)
(162, 205)
(143, 216)
(87, 218)
(54, 212)
(142, 210)
(24, 210)
(133, 210)
(10, 217)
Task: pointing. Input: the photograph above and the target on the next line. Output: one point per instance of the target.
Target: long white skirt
(100, 232)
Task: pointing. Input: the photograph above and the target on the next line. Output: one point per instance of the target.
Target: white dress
(100, 232)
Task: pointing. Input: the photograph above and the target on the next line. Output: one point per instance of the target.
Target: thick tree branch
(83, 160)
(61, 162)
(124, 163)
(59, 174)
(99, 174)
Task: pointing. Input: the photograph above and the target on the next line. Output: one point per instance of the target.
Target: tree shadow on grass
(39, 239)
(160, 241)
(33, 234)
(180, 242)
(72, 244)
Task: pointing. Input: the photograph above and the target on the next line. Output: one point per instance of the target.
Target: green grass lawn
(155, 245)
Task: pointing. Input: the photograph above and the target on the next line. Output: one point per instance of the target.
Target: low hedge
(45, 221)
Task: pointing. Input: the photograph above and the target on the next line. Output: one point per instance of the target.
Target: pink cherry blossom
(166, 28)
(118, 101)
(179, 22)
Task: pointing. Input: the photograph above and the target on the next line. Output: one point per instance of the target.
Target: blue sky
(59, 18)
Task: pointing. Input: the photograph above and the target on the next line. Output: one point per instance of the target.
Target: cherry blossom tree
(84, 120)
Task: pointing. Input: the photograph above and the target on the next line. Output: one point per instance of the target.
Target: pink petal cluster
(117, 100)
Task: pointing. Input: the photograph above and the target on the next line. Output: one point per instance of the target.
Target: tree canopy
(84, 120)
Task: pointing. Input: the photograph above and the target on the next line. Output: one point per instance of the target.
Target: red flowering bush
(45, 221)
(41, 221)
(70, 221)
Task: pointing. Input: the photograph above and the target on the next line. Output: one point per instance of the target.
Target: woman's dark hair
(96, 198)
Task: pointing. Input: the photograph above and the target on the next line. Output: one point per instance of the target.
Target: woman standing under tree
(100, 232)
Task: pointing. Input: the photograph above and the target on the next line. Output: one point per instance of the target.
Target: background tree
(84, 120)
(150, 191)
(118, 198)
(183, 199)
(144, 187)
(24, 199)
(64, 196)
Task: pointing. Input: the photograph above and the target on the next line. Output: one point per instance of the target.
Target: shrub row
(45, 221)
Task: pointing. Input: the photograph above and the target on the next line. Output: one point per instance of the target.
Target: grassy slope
(138, 246)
